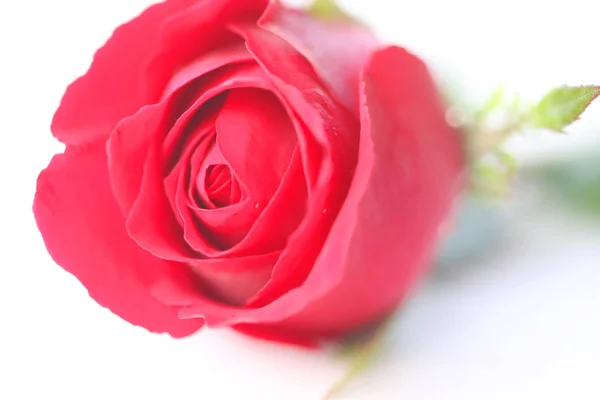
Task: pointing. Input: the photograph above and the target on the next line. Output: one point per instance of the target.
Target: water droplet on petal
(257, 205)
(324, 211)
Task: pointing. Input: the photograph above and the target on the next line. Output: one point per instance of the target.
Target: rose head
(238, 163)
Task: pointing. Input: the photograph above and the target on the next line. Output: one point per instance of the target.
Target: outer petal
(85, 234)
(337, 49)
(134, 66)
(407, 176)
(410, 165)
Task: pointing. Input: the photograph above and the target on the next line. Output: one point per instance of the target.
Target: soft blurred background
(511, 310)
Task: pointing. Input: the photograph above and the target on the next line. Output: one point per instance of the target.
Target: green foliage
(562, 106)
(492, 168)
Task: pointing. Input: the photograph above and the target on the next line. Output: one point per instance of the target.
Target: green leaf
(327, 9)
(563, 106)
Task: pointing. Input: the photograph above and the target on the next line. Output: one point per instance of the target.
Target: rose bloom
(241, 164)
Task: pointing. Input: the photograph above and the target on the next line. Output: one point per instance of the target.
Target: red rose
(237, 163)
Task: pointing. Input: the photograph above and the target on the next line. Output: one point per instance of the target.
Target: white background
(524, 325)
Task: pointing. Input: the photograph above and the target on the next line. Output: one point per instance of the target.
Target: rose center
(221, 186)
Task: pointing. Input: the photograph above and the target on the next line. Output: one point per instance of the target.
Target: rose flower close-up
(243, 164)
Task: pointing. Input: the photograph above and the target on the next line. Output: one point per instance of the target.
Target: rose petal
(198, 118)
(217, 176)
(230, 281)
(130, 142)
(151, 222)
(138, 70)
(234, 53)
(409, 173)
(234, 280)
(198, 145)
(189, 34)
(199, 164)
(219, 190)
(85, 234)
(257, 139)
(325, 43)
(236, 194)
